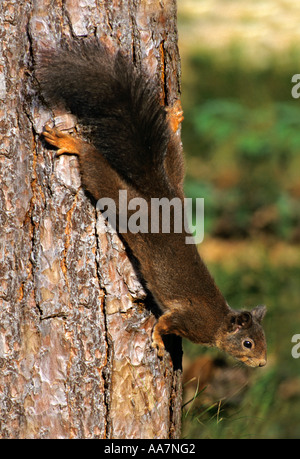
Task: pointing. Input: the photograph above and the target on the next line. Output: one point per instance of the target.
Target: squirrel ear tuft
(259, 312)
(240, 320)
(244, 319)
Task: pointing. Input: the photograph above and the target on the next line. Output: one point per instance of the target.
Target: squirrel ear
(240, 320)
(244, 319)
(259, 312)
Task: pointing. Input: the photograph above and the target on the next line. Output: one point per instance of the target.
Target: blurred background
(241, 137)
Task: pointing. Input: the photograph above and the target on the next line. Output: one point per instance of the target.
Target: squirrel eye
(247, 344)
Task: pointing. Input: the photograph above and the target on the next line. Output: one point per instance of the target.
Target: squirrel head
(243, 337)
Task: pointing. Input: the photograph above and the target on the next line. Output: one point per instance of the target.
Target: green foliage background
(241, 137)
(244, 123)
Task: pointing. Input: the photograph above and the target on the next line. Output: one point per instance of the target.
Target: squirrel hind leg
(65, 143)
(175, 115)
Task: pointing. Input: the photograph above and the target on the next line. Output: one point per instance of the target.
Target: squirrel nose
(262, 363)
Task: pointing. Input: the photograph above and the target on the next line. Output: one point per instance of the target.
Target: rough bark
(75, 356)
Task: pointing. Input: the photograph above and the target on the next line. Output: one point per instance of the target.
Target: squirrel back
(118, 104)
(134, 147)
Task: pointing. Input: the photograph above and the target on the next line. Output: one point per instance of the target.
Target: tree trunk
(75, 333)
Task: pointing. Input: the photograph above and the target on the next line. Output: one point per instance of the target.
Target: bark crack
(107, 367)
(61, 315)
(68, 233)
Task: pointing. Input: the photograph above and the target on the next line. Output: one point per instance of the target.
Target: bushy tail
(105, 92)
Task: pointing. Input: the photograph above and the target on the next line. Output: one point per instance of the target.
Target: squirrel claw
(64, 142)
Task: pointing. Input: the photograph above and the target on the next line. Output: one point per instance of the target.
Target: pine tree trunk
(75, 334)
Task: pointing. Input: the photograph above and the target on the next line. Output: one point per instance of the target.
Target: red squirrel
(132, 145)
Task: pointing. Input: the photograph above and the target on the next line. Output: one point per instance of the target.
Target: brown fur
(135, 148)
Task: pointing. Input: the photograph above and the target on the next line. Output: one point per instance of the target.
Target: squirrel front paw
(161, 328)
(158, 344)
